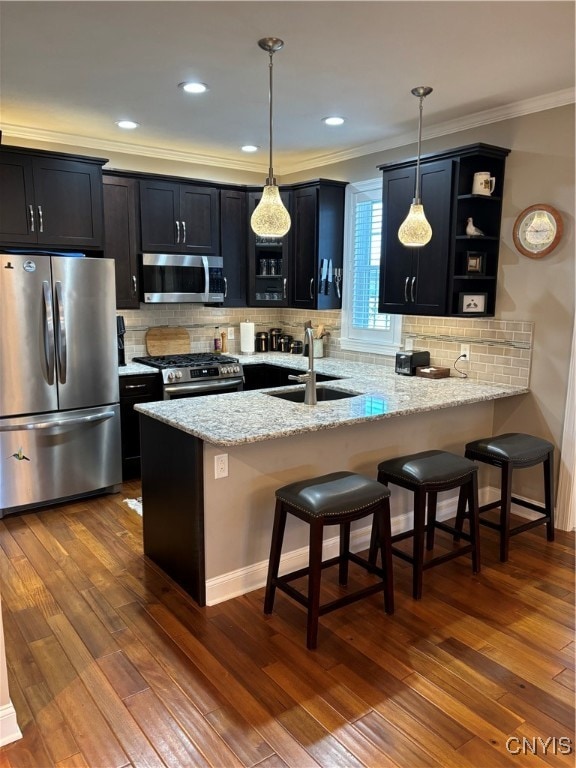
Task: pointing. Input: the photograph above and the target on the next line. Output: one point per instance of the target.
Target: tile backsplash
(500, 350)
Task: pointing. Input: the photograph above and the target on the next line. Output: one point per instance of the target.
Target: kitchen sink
(323, 394)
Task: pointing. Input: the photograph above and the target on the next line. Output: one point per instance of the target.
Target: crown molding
(140, 150)
(474, 120)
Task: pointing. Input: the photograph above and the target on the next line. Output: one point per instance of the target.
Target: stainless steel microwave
(173, 277)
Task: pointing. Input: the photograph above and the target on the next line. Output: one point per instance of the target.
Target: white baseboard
(236, 583)
(9, 730)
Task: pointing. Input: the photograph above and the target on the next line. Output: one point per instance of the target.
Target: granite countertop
(246, 417)
(135, 369)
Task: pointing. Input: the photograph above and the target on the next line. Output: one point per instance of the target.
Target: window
(363, 328)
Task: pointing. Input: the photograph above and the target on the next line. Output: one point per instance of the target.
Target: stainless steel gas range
(195, 374)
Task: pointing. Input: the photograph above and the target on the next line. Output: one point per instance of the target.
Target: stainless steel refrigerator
(59, 393)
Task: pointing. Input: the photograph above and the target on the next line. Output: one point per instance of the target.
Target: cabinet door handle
(406, 289)
(177, 231)
(183, 231)
(284, 284)
(31, 211)
(412, 289)
(225, 287)
(312, 288)
(41, 218)
(134, 284)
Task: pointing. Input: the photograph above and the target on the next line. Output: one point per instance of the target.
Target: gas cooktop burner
(196, 359)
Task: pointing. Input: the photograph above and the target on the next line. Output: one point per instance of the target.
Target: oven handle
(207, 387)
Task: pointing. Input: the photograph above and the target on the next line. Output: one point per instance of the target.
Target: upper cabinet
(269, 260)
(233, 246)
(303, 269)
(317, 244)
(121, 236)
(50, 199)
(456, 272)
(179, 218)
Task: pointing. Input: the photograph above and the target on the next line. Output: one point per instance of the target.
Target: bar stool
(426, 474)
(335, 499)
(515, 450)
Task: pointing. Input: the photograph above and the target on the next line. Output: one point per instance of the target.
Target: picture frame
(472, 303)
(475, 262)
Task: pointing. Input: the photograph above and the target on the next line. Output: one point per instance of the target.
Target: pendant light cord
(271, 180)
(417, 190)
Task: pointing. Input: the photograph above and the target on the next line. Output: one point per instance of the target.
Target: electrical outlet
(230, 334)
(465, 352)
(408, 344)
(220, 466)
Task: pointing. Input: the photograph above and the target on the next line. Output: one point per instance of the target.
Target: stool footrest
(434, 560)
(339, 602)
(529, 505)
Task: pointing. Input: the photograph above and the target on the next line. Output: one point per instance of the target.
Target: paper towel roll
(247, 338)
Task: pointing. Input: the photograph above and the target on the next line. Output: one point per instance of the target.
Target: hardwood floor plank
(402, 750)
(94, 736)
(246, 743)
(122, 675)
(131, 738)
(58, 740)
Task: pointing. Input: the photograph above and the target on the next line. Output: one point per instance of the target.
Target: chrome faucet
(309, 378)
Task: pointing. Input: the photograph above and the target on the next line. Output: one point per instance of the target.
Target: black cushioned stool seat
(426, 474)
(335, 499)
(515, 450)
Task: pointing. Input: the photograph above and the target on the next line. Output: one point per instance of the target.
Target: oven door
(201, 388)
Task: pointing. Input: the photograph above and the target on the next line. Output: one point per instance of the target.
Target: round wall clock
(537, 230)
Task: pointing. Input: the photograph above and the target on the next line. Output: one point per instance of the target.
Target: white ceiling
(68, 70)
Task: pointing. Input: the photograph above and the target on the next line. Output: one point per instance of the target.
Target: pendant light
(415, 231)
(270, 217)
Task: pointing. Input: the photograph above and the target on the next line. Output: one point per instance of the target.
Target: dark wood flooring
(111, 664)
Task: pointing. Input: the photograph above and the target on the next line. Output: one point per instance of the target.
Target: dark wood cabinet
(50, 199)
(414, 281)
(121, 236)
(454, 274)
(233, 246)
(179, 218)
(140, 388)
(318, 236)
(268, 262)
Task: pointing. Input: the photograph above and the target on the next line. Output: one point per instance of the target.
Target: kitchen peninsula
(213, 535)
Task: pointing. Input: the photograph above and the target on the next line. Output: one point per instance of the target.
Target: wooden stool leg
(275, 553)
(474, 518)
(461, 512)
(314, 576)
(505, 503)
(418, 542)
(385, 543)
(374, 536)
(431, 521)
(549, 495)
(344, 550)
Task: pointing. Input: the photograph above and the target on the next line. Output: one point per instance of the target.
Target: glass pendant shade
(270, 217)
(415, 230)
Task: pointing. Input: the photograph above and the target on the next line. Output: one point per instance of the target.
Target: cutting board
(167, 340)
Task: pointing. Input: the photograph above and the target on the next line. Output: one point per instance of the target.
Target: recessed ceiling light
(193, 87)
(250, 148)
(333, 120)
(128, 125)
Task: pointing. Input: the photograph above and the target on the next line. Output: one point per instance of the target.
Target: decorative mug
(483, 183)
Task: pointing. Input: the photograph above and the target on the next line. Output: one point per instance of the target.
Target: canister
(261, 340)
(275, 334)
(284, 343)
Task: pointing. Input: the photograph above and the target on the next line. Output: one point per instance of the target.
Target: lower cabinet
(141, 388)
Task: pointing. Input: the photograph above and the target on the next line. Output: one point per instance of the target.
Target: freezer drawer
(54, 456)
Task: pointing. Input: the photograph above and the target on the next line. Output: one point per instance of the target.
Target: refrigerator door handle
(61, 335)
(49, 351)
(57, 423)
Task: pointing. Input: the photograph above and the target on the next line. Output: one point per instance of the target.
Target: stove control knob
(225, 369)
(170, 376)
(236, 369)
(178, 374)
